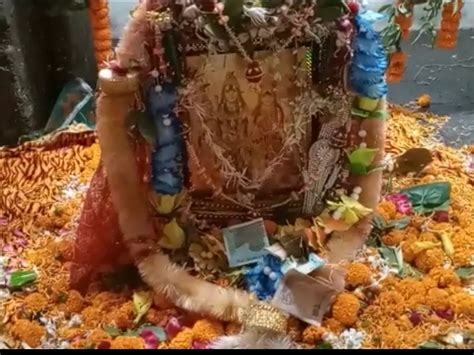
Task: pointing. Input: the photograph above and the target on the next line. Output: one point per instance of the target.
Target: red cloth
(98, 241)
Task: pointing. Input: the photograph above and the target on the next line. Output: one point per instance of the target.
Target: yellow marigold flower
(429, 259)
(123, 317)
(233, 328)
(92, 316)
(206, 330)
(36, 302)
(74, 302)
(123, 342)
(393, 238)
(444, 277)
(29, 332)
(97, 336)
(387, 209)
(358, 274)
(346, 308)
(333, 325)
(462, 303)
(391, 303)
(437, 299)
(313, 334)
(183, 340)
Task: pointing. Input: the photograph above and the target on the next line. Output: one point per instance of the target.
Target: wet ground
(448, 76)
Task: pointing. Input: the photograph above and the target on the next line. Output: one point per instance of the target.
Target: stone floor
(448, 76)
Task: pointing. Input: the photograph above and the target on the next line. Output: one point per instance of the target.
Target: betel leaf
(465, 272)
(430, 345)
(19, 279)
(430, 197)
(361, 160)
(112, 331)
(324, 345)
(141, 302)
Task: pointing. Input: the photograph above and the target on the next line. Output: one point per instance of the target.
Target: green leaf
(324, 345)
(465, 272)
(360, 113)
(234, 9)
(430, 197)
(410, 271)
(142, 302)
(112, 331)
(330, 13)
(430, 345)
(19, 279)
(145, 125)
(379, 114)
(158, 331)
(393, 256)
(398, 224)
(361, 160)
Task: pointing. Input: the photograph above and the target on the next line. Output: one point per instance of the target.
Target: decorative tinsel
(167, 158)
(264, 278)
(370, 60)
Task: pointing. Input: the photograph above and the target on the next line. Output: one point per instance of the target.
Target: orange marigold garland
(101, 32)
(450, 19)
(396, 67)
(404, 20)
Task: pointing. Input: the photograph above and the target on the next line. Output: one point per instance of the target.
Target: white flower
(257, 15)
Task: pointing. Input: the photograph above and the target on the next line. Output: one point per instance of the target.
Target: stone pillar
(43, 44)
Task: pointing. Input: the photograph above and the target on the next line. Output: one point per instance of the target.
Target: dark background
(41, 48)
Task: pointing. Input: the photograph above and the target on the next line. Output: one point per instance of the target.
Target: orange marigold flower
(390, 336)
(98, 336)
(429, 259)
(313, 334)
(333, 325)
(409, 251)
(233, 328)
(123, 342)
(409, 287)
(437, 299)
(358, 274)
(387, 209)
(346, 308)
(206, 330)
(462, 303)
(416, 301)
(183, 340)
(444, 277)
(108, 300)
(35, 302)
(92, 316)
(156, 317)
(29, 332)
(424, 101)
(391, 303)
(393, 238)
(74, 302)
(123, 317)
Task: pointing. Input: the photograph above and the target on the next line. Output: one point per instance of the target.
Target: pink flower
(173, 327)
(200, 345)
(401, 201)
(150, 338)
(441, 216)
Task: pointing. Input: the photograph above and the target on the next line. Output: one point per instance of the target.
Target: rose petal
(441, 216)
(447, 314)
(104, 345)
(173, 327)
(200, 345)
(151, 340)
(416, 318)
